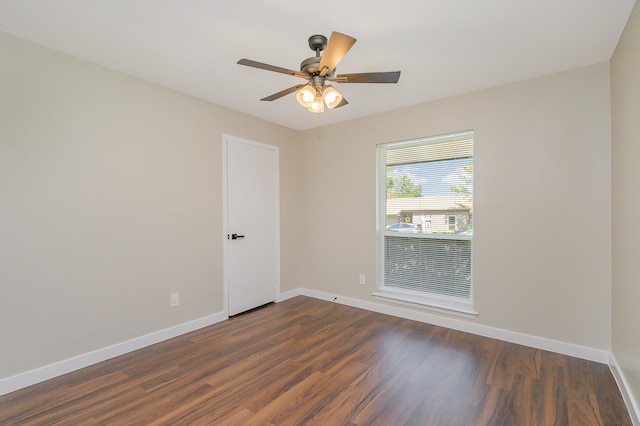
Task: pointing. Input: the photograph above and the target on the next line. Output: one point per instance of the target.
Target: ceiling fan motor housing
(310, 65)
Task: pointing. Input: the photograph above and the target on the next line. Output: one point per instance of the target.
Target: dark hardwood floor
(306, 361)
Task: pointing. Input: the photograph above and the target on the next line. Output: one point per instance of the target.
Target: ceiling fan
(318, 70)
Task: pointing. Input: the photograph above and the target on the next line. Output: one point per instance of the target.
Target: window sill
(428, 304)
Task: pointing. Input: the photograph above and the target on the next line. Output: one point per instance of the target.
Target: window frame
(408, 297)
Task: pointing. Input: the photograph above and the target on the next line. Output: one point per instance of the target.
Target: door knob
(236, 236)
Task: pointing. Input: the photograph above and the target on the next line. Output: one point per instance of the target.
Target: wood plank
(306, 361)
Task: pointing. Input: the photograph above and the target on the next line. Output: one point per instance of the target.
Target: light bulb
(331, 97)
(317, 105)
(306, 95)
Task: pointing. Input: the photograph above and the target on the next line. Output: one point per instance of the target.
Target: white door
(252, 234)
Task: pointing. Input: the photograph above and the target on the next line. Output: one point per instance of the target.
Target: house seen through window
(425, 221)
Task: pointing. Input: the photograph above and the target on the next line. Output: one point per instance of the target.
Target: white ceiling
(442, 47)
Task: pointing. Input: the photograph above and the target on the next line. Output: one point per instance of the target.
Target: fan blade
(283, 93)
(369, 77)
(255, 64)
(338, 46)
(343, 102)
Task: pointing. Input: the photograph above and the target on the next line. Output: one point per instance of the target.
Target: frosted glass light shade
(331, 97)
(317, 105)
(306, 96)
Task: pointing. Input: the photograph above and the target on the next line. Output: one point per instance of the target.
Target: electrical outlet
(362, 280)
(174, 299)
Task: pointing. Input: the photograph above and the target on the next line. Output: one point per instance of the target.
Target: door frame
(226, 139)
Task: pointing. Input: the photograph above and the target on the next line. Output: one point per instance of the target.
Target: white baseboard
(289, 294)
(37, 375)
(625, 390)
(50, 371)
(47, 372)
(577, 351)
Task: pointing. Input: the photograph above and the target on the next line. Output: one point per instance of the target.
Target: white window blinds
(425, 212)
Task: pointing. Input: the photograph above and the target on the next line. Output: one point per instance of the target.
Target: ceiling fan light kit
(317, 70)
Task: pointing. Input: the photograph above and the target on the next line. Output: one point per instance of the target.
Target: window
(425, 227)
(452, 223)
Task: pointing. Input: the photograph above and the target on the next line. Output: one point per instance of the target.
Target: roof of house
(416, 204)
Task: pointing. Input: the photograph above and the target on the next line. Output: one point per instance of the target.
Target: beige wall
(110, 199)
(542, 148)
(625, 108)
(110, 195)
